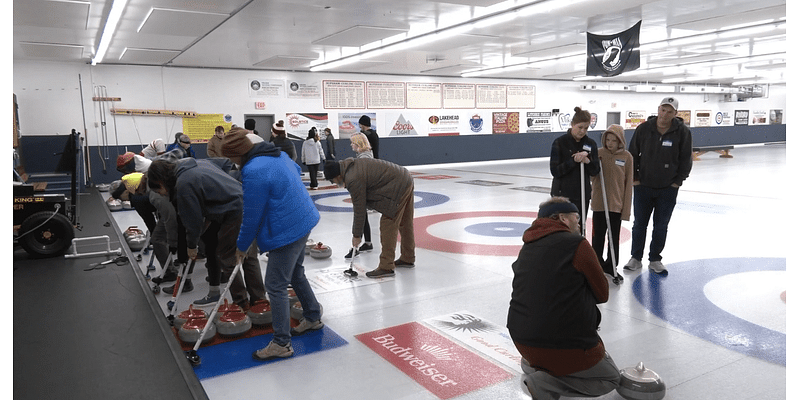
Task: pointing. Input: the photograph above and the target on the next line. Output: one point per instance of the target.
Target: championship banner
(611, 55)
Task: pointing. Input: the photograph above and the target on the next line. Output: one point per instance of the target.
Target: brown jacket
(376, 184)
(214, 147)
(618, 175)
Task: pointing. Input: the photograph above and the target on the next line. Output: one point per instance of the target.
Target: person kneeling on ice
(388, 189)
(553, 316)
(279, 214)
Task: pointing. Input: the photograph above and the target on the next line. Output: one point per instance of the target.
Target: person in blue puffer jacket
(279, 214)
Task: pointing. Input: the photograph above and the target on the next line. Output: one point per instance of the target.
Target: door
(263, 124)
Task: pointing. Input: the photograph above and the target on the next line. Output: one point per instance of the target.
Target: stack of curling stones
(640, 383)
(260, 313)
(135, 238)
(320, 250)
(114, 204)
(193, 326)
(231, 320)
(188, 314)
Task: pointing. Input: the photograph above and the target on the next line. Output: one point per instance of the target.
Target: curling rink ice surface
(714, 327)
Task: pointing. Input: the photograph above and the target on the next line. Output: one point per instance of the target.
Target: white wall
(49, 98)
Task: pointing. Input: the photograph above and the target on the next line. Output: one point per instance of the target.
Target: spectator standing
(365, 123)
(617, 173)
(312, 155)
(662, 159)
(566, 155)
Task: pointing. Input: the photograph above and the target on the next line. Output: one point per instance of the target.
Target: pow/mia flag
(611, 55)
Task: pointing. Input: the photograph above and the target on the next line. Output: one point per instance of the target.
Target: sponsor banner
(538, 122)
(505, 122)
(481, 335)
(443, 125)
(266, 87)
(686, 116)
(758, 117)
(564, 121)
(333, 279)
(702, 118)
(437, 363)
(741, 117)
(304, 90)
(348, 124)
(611, 55)
(403, 127)
(724, 118)
(634, 118)
(775, 117)
(298, 124)
(477, 124)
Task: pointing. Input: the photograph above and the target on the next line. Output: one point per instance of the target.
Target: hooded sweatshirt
(617, 168)
(557, 285)
(661, 160)
(277, 207)
(203, 190)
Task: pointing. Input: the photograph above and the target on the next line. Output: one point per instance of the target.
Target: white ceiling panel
(291, 35)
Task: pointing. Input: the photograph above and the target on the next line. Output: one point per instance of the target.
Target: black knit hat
(332, 170)
(365, 120)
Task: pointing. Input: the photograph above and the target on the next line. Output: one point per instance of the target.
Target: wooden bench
(724, 151)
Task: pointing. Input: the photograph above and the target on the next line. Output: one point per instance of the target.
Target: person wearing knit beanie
(365, 120)
(278, 129)
(123, 160)
(236, 144)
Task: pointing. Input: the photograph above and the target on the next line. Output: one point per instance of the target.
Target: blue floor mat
(234, 356)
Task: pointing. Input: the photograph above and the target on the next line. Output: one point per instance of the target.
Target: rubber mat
(237, 355)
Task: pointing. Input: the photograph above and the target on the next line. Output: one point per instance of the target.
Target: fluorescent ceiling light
(108, 31)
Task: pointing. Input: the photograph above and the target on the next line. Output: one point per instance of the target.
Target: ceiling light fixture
(108, 31)
(504, 15)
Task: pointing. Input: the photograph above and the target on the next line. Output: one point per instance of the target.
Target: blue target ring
(498, 229)
(426, 200)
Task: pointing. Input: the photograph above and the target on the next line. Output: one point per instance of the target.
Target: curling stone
(114, 204)
(309, 244)
(640, 383)
(296, 310)
(126, 205)
(190, 331)
(226, 307)
(135, 238)
(103, 187)
(320, 251)
(188, 314)
(233, 323)
(114, 185)
(292, 296)
(260, 313)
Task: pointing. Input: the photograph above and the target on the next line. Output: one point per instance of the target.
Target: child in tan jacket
(617, 170)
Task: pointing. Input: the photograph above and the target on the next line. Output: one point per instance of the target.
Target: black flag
(611, 55)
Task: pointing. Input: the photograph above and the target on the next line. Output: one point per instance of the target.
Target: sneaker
(306, 326)
(379, 273)
(402, 264)
(657, 267)
(367, 246)
(273, 350)
(209, 299)
(633, 265)
(169, 276)
(187, 287)
(350, 254)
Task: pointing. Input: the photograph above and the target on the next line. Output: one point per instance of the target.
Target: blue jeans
(656, 202)
(284, 266)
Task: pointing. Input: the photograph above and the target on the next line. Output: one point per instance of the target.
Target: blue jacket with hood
(277, 207)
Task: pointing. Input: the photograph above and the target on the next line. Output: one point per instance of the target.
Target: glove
(173, 250)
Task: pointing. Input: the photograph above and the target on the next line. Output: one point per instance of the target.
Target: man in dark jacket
(209, 203)
(553, 315)
(387, 188)
(365, 123)
(662, 159)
